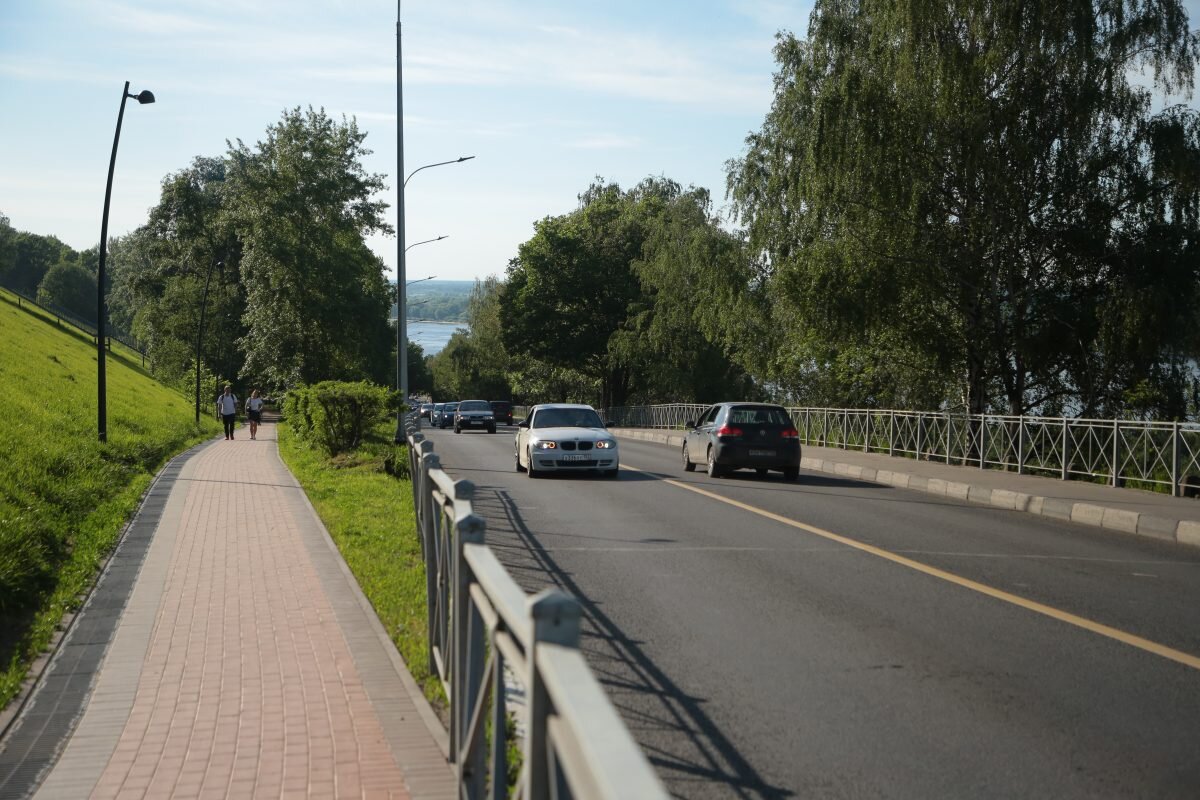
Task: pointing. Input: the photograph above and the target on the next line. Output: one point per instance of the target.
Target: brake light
(729, 430)
(790, 433)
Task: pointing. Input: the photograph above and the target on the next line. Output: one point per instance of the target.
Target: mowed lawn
(64, 496)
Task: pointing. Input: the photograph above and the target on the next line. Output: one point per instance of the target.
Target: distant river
(433, 336)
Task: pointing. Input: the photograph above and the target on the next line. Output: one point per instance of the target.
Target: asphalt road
(832, 638)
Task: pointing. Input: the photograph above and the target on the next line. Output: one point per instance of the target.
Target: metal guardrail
(482, 625)
(1160, 455)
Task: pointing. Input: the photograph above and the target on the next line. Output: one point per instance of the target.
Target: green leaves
(316, 298)
(965, 188)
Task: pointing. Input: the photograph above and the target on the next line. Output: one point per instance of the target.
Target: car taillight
(790, 433)
(729, 430)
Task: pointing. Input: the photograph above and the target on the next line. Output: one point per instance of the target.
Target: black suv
(502, 409)
(474, 414)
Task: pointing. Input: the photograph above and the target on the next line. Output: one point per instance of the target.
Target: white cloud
(154, 23)
(605, 141)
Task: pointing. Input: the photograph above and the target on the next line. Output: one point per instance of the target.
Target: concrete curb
(1185, 532)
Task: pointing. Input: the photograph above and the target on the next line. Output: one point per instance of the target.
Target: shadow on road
(684, 744)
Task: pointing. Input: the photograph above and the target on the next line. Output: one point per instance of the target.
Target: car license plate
(762, 453)
(575, 457)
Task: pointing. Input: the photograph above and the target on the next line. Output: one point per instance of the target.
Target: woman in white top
(254, 405)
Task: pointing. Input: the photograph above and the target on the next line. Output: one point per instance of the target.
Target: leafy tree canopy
(977, 190)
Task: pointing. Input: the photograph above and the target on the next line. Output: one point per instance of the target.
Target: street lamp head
(463, 158)
(144, 97)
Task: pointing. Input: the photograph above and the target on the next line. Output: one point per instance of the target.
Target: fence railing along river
(1164, 456)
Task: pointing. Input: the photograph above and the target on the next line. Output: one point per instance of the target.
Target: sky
(545, 95)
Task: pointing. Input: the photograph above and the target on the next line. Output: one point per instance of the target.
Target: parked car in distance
(426, 410)
(564, 437)
(731, 436)
(448, 412)
(503, 411)
(474, 414)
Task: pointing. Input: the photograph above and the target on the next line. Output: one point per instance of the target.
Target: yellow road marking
(1124, 637)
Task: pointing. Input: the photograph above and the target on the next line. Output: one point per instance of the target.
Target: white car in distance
(565, 437)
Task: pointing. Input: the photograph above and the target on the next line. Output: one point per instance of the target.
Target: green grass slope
(64, 496)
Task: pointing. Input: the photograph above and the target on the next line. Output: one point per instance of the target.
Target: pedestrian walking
(254, 405)
(227, 405)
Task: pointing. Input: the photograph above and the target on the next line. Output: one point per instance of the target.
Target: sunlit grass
(369, 514)
(64, 496)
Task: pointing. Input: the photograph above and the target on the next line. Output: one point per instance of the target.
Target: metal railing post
(1021, 445)
(947, 437)
(1066, 434)
(867, 440)
(467, 528)
(555, 617)
(1175, 458)
(920, 433)
(982, 442)
(1115, 450)
(892, 433)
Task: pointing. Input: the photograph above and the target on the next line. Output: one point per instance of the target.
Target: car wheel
(529, 467)
(714, 469)
(492, 429)
(688, 466)
(761, 471)
(791, 473)
(517, 459)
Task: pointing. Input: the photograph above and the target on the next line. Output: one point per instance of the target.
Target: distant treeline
(441, 301)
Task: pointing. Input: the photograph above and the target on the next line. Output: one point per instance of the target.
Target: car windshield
(567, 418)
(758, 415)
(474, 405)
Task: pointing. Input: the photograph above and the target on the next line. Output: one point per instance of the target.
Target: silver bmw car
(564, 437)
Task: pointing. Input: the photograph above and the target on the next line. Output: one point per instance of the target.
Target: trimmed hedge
(336, 415)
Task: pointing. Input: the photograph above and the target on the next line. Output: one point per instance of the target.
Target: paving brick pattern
(246, 678)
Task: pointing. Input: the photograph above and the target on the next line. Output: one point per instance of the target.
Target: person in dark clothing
(227, 405)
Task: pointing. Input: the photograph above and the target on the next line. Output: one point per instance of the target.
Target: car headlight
(546, 445)
(606, 444)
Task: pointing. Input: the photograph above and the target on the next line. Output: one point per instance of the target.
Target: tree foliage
(70, 286)
(610, 301)
(316, 298)
(973, 199)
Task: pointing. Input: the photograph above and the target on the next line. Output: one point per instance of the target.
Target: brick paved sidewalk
(246, 662)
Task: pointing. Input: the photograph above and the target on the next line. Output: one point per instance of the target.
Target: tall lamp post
(401, 321)
(143, 97)
(200, 332)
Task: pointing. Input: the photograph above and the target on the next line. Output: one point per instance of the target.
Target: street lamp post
(401, 317)
(143, 97)
(200, 332)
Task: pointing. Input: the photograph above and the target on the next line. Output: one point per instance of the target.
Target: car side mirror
(523, 423)
(608, 423)
(689, 424)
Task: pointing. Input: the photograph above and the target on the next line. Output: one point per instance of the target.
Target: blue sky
(546, 95)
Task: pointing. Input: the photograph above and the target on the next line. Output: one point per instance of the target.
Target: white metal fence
(1160, 455)
(480, 623)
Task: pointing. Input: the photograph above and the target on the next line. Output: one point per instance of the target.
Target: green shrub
(335, 415)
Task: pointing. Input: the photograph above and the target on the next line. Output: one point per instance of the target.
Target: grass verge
(369, 515)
